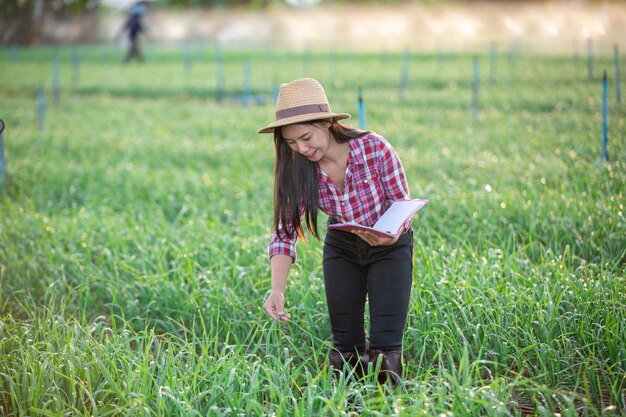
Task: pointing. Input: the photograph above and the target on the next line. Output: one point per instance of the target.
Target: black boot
(348, 362)
(390, 366)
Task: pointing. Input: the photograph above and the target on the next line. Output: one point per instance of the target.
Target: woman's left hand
(373, 239)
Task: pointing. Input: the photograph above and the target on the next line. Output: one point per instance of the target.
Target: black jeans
(354, 271)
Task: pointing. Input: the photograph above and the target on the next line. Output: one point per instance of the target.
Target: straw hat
(300, 101)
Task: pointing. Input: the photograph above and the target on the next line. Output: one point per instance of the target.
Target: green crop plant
(133, 233)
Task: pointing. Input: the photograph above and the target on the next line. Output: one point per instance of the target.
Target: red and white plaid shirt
(374, 180)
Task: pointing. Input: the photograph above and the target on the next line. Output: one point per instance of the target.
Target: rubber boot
(348, 362)
(390, 367)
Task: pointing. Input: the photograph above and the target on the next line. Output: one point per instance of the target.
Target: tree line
(15, 8)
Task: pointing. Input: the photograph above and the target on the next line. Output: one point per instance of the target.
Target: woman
(351, 175)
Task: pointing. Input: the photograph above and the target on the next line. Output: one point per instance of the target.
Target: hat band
(300, 110)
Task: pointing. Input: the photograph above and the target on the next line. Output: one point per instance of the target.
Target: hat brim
(302, 118)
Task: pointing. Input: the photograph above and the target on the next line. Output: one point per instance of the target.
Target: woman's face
(309, 140)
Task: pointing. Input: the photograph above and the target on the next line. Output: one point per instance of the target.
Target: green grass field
(133, 233)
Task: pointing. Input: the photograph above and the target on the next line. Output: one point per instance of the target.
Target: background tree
(23, 20)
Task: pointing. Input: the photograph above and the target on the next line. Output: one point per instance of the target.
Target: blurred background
(561, 26)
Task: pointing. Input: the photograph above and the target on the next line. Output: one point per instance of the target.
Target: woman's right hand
(274, 306)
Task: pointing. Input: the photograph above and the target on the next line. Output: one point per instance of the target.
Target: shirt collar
(355, 158)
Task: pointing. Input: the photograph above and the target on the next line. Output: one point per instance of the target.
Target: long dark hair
(296, 185)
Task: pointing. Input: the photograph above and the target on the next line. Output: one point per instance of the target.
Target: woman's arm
(274, 305)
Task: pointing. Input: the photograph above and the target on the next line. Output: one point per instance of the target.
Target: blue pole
(306, 61)
(275, 90)
(149, 53)
(41, 106)
(589, 59)
(404, 76)
(605, 153)
(618, 88)
(492, 63)
(476, 86)
(104, 52)
(2, 165)
(384, 56)
(332, 66)
(14, 50)
(219, 74)
(75, 64)
(361, 109)
(187, 60)
(56, 81)
(439, 58)
(513, 53)
(246, 82)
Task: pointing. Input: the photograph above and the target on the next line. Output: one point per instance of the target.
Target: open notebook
(390, 222)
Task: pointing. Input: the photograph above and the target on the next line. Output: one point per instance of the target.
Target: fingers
(275, 310)
(283, 317)
(369, 238)
(363, 236)
(278, 316)
(375, 240)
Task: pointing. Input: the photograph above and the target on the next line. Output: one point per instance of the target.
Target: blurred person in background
(134, 26)
(351, 175)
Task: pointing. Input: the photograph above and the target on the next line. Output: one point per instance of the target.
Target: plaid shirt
(374, 179)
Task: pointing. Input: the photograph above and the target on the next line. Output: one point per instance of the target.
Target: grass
(133, 232)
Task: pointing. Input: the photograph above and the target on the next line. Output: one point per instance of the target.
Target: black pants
(354, 271)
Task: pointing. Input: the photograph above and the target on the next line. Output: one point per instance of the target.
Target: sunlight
(514, 27)
(466, 27)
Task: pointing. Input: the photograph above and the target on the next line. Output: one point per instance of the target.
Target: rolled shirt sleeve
(281, 244)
